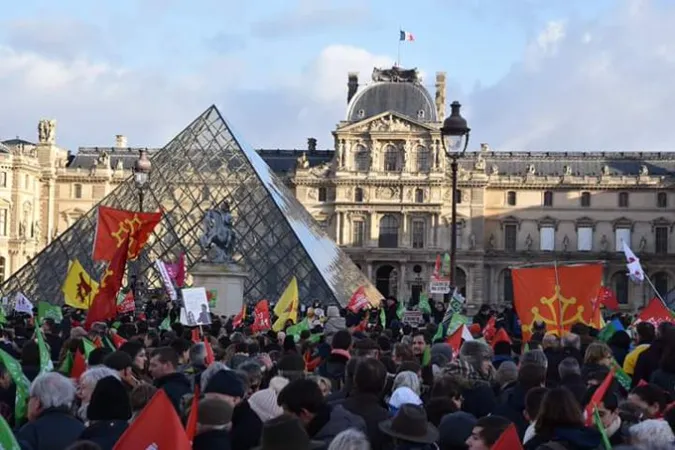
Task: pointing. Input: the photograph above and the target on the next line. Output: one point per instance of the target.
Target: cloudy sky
(532, 74)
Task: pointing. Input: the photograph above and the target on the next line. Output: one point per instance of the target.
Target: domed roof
(393, 90)
(3, 148)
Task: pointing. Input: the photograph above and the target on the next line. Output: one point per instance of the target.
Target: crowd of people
(348, 382)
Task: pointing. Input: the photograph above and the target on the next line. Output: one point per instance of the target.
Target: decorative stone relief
(565, 243)
(494, 170)
(644, 170)
(480, 163)
(389, 123)
(604, 243)
(567, 171)
(529, 242)
(387, 193)
(312, 194)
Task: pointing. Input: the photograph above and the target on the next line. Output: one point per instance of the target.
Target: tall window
(458, 196)
(362, 159)
(388, 237)
(547, 239)
(548, 198)
(510, 237)
(418, 230)
(358, 195)
(623, 199)
(660, 280)
(77, 190)
(585, 239)
(661, 240)
(391, 159)
(620, 286)
(358, 233)
(585, 199)
(419, 196)
(661, 200)
(3, 222)
(621, 235)
(423, 159)
(3, 179)
(511, 198)
(3, 265)
(323, 194)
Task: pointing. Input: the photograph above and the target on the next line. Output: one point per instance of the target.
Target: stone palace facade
(384, 195)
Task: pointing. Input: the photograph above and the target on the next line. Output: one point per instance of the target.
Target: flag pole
(398, 52)
(654, 289)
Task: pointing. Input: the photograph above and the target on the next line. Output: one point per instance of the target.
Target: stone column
(338, 228)
(402, 292)
(404, 235)
(435, 229)
(369, 270)
(373, 229)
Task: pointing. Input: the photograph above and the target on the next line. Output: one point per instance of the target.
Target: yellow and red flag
(79, 288)
(104, 306)
(240, 317)
(115, 226)
(287, 307)
(558, 296)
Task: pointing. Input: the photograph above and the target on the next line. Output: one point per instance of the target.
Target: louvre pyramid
(205, 165)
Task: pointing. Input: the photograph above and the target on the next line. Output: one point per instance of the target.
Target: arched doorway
(619, 283)
(386, 280)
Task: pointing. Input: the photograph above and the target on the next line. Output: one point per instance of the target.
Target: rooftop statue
(396, 74)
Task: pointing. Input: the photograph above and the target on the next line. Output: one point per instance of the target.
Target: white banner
(166, 279)
(439, 286)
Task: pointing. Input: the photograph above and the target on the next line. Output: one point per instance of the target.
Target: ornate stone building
(384, 194)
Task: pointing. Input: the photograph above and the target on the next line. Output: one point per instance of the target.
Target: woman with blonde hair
(597, 361)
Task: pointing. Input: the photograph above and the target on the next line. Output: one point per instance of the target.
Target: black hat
(109, 401)
(410, 424)
(118, 360)
(226, 382)
(285, 433)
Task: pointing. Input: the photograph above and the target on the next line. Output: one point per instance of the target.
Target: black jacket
(334, 368)
(212, 440)
(54, 429)
(575, 384)
(246, 427)
(648, 362)
(372, 411)
(513, 407)
(105, 433)
(175, 385)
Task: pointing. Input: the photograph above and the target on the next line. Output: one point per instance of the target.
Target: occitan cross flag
(114, 226)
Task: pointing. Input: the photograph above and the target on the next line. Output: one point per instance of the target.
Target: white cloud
(606, 86)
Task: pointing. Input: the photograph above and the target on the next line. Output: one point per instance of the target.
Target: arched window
(388, 237)
(423, 159)
(391, 159)
(361, 159)
(358, 195)
(620, 286)
(2, 269)
(419, 196)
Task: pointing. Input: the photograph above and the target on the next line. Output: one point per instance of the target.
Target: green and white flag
(46, 364)
(49, 311)
(7, 439)
(423, 304)
(20, 381)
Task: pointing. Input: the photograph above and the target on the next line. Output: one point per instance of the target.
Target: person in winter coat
(649, 360)
(303, 399)
(560, 421)
(163, 369)
(530, 376)
(214, 420)
(334, 367)
(664, 377)
(108, 413)
(51, 424)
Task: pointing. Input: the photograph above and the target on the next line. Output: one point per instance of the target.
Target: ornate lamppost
(142, 169)
(455, 134)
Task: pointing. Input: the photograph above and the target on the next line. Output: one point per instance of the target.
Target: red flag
(191, 424)
(79, 365)
(455, 340)
(437, 268)
(209, 352)
(104, 305)
(240, 317)
(597, 397)
(177, 270)
(196, 338)
(501, 336)
(358, 301)
(607, 298)
(508, 440)
(114, 226)
(490, 329)
(262, 319)
(117, 340)
(128, 304)
(655, 312)
(144, 432)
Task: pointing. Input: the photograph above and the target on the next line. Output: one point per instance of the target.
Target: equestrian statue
(218, 238)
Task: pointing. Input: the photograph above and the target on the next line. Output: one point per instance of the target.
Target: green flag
(49, 311)
(400, 310)
(3, 319)
(426, 356)
(608, 331)
(622, 377)
(598, 424)
(7, 439)
(88, 347)
(457, 321)
(46, 364)
(424, 305)
(21, 382)
(166, 324)
(297, 329)
(67, 365)
(440, 333)
(383, 318)
(315, 338)
(445, 265)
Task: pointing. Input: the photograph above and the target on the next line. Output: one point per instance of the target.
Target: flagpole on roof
(398, 51)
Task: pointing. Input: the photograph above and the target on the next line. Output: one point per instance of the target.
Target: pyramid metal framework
(204, 166)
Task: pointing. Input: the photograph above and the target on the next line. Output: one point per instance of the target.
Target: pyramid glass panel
(204, 166)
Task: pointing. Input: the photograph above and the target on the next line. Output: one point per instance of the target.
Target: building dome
(3, 148)
(395, 90)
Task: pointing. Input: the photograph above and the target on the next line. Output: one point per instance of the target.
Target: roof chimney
(311, 144)
(352, 85)
(120, 141)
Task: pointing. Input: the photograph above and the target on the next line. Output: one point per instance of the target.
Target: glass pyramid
(205, 165)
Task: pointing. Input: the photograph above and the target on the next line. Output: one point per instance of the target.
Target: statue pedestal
(228, 282)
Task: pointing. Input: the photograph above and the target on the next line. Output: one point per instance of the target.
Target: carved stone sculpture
(642, 246)
(480, 163)
(531, 170)
(47, 131)
(389, 123)
(395, 74)
(529, 242)
(472, 241)
(644, 170)
(218, 236)
(565, 243)
(605, 170)
(491, 242)
(567, 170)
(604, 243)
(302, 162)
(494, 170)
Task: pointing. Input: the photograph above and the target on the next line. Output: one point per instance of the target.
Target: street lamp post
(142, 169)
(455, 134)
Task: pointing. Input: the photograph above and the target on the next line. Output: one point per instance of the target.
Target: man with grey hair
(87, 384)
(570, 378)
(537, 357)
(51, 425)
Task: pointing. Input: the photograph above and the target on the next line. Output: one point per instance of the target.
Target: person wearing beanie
(291, 367)
(214, 421)
(454, 429)
(123, 364)
(108, 413)
(264, 402)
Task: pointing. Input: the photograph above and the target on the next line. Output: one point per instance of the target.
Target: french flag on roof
(406, 36)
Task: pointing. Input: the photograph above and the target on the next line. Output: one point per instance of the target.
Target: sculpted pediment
(388, 122)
